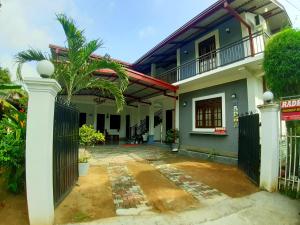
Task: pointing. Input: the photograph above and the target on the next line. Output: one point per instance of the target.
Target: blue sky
(128, 28)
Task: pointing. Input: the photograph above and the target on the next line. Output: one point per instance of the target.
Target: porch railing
(228, 54)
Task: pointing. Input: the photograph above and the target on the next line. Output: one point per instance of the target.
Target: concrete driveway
(151, 185)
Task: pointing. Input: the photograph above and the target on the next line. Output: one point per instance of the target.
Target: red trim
(58, 48)
(151, 80)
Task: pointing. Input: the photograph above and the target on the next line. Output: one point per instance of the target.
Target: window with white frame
(209, 112)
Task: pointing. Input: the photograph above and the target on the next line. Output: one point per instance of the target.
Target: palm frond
(95, 65)
(108, 87)
(30, 55)
(75, 37)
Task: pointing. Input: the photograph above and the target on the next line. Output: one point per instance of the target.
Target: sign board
(290, 109)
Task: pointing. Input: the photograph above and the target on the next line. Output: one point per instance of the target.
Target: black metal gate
(65, 150)
(249, 146)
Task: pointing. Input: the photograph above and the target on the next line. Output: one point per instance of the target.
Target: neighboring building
(212, 64)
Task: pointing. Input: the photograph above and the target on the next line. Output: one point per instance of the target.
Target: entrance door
(169, 119)
(128, 126)
(101, 123)
(82, 119)
(207, 54)
(249, 146)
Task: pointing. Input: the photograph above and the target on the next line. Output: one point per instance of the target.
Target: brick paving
(127, 194)
(204, 193)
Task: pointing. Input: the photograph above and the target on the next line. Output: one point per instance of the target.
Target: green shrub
(89, 136)
(12, 148)
(172, 136)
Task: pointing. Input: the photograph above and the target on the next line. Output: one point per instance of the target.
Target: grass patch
(80, 217)
(290, 193)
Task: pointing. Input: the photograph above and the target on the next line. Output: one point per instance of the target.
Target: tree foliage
(282, 63)
(12, 146)
(4, 76)
(75, 72)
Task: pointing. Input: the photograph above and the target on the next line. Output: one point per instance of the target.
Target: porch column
(270, 135)
(177, 114)
(39, 152)
(151, 124)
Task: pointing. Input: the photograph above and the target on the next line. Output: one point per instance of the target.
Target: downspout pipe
(241, 19)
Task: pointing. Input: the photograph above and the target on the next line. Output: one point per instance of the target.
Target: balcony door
(207, 54)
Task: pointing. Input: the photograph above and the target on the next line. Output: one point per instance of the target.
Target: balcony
(226, 55)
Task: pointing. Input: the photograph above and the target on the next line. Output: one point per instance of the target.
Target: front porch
(151, 121)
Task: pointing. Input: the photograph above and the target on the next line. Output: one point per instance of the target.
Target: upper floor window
(209, 113)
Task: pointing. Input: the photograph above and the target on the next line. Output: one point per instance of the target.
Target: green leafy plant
(75, 71)
(172, 136)
(88, 137)
(12, 148)
(282, 63)
(4, 76)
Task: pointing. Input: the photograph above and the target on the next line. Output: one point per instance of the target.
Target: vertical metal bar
(295, 157)
(290, 156)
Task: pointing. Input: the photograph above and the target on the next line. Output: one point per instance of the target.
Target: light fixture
(227, 30)
(186, 52)
(268, 97)
(233, 95)
(45, 68)
(99, 100)
(184, 104)
(266, 10)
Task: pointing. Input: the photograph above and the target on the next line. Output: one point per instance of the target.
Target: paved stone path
(128, 196)
(204, 193)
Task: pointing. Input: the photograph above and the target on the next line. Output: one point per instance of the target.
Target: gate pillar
(270, 135)
(39, 153)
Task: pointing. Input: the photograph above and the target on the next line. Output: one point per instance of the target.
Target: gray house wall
(227, 55)
(209, 143)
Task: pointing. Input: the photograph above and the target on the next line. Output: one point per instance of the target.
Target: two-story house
(198, 79)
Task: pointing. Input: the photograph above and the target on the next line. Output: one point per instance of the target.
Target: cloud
(33, 24)
(147, 32)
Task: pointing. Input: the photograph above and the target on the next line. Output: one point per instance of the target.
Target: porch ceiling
(141, 87)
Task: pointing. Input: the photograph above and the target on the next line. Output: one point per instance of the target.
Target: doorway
(82, 119)
(169, 120)
(101, 123)
(128, 135)
(207, 54)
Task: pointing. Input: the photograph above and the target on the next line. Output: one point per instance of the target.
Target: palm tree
(76, 72)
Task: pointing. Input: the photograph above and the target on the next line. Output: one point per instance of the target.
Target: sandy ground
(91, 199)
(227, 179)
(13, 208)
(163, 195)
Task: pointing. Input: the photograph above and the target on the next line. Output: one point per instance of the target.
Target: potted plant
(88, 137)
(172, 138)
